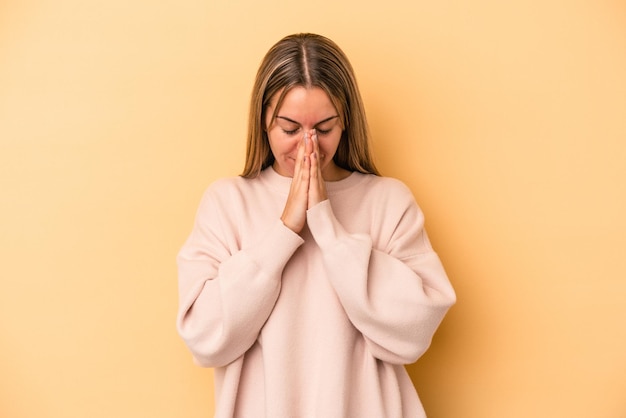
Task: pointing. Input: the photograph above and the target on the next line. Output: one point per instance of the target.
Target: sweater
(317, 324)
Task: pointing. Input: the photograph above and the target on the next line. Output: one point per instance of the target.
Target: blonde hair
(309, 60)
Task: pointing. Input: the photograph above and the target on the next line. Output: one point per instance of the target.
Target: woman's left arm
(397, 294)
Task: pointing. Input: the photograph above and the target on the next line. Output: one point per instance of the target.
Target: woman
(309, 281)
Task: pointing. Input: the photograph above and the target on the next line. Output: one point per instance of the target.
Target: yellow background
(506, 119)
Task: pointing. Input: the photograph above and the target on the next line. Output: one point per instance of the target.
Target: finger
(299, 158)
(305, 163)
(308, 143)
(314, 168)
(294, 213)
(314, 188)
(317, 168)
(306, 169)
(317, 187)
(315, 141)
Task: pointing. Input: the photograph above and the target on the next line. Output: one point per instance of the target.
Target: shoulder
(227, 185)
(389, 182)
(218, 202)
(387, 187)
(220, 191)
(368, 184)
(391, 198)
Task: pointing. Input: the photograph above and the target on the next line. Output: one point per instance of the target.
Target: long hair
(309, 60)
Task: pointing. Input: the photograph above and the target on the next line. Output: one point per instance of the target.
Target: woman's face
(303, 109)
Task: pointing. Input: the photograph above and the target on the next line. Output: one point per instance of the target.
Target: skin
(304, 137)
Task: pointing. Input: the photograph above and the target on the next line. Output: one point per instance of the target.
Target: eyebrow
(298, 123)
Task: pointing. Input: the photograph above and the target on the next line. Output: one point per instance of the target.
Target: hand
(294, 214)
(307, 186)
(317, 186)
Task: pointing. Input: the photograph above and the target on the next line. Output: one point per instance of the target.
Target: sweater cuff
(275, 249)
(323, 224)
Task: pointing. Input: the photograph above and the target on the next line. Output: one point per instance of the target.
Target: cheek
(329, 144)
(282, 144)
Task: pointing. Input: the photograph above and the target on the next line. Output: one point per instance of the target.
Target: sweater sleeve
(226, 294)
(397, 294)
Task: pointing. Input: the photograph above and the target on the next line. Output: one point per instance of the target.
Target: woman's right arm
(225, 293)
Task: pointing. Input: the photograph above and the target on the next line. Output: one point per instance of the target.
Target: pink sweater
(312, 325)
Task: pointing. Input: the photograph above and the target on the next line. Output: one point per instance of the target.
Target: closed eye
(291, 132)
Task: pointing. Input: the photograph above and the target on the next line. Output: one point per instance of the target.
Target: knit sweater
(316, 324)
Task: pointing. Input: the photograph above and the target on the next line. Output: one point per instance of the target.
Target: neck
(333, 172)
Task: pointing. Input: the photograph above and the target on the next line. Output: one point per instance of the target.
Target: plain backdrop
(506, 119)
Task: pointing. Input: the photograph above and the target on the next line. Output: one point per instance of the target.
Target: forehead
(304, 105)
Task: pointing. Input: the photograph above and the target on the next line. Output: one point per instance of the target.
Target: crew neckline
(282, 183)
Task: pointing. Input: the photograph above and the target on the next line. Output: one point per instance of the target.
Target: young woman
(308, 282)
